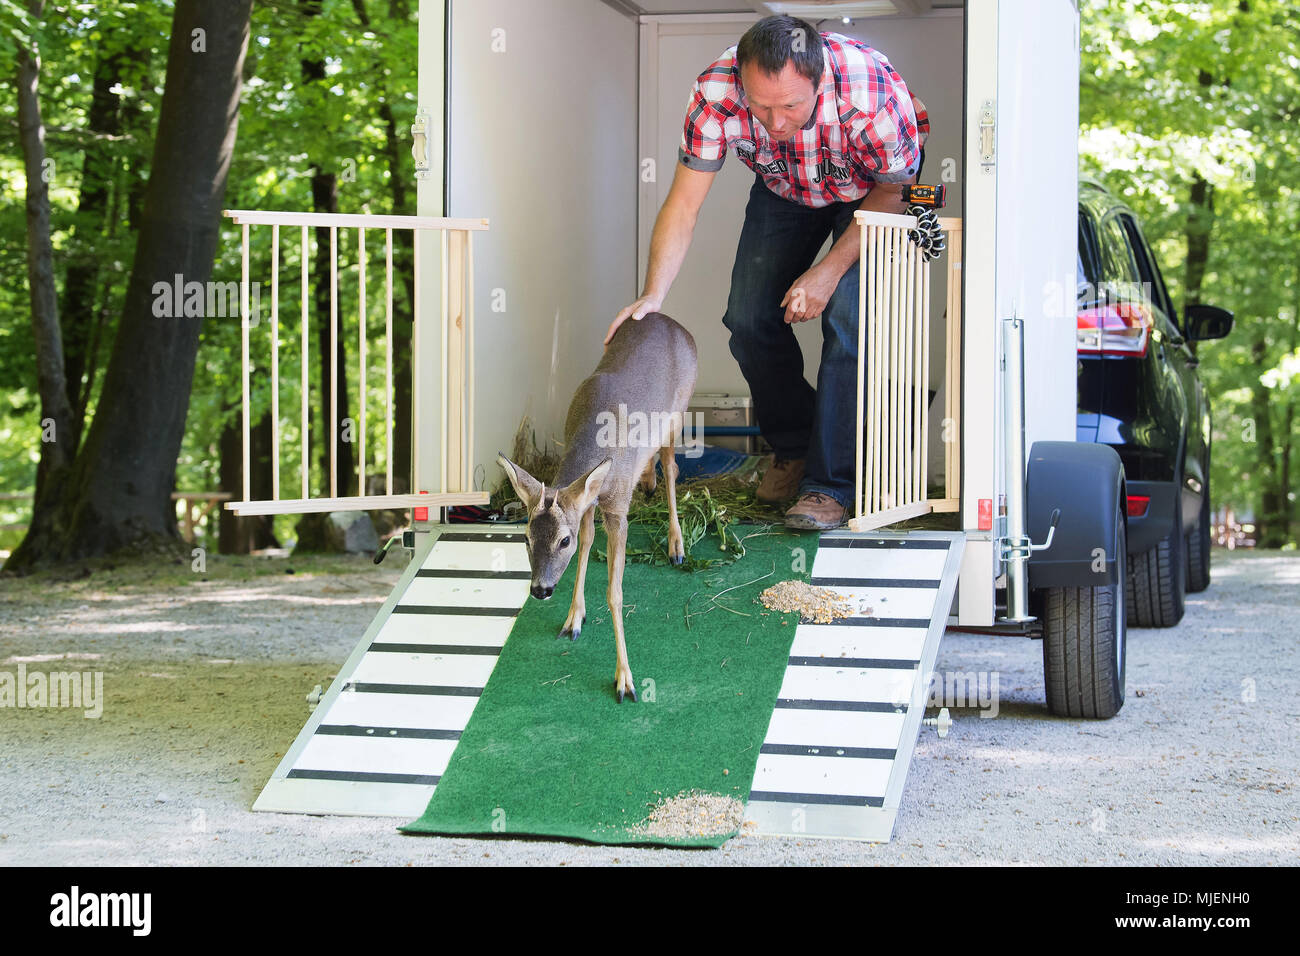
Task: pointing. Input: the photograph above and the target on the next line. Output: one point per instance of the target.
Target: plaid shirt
(866, 128)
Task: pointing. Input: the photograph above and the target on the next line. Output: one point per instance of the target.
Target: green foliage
(1172, 91)
(286, 127)
(707, 512)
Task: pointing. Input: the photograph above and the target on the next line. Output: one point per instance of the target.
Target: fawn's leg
(578, 609)
(676, 546)
(616, 537)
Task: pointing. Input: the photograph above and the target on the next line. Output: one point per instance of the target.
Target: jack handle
(1051, 531)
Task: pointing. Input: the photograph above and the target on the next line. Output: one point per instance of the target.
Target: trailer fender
(1086, 482)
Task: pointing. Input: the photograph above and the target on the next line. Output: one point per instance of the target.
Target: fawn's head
(554, 517)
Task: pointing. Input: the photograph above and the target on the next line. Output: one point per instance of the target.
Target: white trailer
(558, 124)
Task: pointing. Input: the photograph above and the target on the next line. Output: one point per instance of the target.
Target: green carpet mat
(550, 752)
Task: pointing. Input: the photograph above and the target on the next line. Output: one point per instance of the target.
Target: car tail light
(1118, 328)
(1137, 505)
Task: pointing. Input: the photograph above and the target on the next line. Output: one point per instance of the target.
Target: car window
(1148, 269)
(1119, 271)
(1087, 261)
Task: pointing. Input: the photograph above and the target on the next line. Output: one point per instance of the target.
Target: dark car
(1139, 392)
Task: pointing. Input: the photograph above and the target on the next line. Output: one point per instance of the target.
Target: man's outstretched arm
(674, 227)
(812, 290)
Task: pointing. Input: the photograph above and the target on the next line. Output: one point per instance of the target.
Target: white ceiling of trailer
(821, 9)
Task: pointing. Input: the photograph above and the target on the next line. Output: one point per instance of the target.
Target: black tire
(1085, 632)
(1156, 585)
(1198, 549)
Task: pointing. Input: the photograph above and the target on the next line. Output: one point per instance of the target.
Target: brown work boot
(781, 480)
(815, 512)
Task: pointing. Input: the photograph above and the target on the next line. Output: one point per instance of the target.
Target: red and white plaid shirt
(867, 128)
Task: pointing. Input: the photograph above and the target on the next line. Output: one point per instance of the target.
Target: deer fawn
(633, 405)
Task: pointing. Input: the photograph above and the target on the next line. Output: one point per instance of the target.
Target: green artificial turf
(549, 751)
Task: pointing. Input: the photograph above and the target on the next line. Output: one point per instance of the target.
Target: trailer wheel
(1198, 548)
(1085, 631)
(1156, 587)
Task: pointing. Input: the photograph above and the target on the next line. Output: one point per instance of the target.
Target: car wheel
(1156, 584)
(1198, 549)
(1085, 633)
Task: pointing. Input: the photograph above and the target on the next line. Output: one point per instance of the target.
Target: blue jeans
(778, 243)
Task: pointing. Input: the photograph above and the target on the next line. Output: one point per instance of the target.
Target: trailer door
(1037, 202)
(1021, 177)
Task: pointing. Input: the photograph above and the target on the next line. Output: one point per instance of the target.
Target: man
(828, 127)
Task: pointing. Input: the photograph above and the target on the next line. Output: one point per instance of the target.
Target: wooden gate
(893, 423)
(453, 485)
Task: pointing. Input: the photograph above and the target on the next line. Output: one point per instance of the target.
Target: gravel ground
(205, 674)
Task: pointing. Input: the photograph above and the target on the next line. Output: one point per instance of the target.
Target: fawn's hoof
(573, 625)
(624, 685)
(677, 558)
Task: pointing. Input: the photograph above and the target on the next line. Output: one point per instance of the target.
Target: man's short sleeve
(887, 134)
(703, 146)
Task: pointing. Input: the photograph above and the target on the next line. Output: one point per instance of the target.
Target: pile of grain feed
(815, 605)
(693, 814)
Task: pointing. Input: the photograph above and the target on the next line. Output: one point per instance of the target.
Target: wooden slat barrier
(456, 334)
(893, 413)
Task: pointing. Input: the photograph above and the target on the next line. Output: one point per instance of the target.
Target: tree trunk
(1287, 506)
(126, 190)
(58, 433)
(325, 198)
(1200, 223)
(240, 535)
(403, 266)
(80, 282)
(118, 492)
(1268, 522)
(1289, 431)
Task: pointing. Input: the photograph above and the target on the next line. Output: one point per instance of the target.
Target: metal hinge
(420, 144)
(988, 139)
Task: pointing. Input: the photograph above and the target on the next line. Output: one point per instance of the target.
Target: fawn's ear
(528, 488)
(582, 492)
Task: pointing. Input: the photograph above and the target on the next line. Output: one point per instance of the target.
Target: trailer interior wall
(926, 51)
(542, 141)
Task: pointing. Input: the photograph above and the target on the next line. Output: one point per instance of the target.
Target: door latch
(988, 142)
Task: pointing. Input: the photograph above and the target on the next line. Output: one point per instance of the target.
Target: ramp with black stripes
(840, 741)
(837, 749)
(382, 735)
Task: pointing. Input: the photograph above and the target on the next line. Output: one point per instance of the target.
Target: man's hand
(638, 310)
(810, 293)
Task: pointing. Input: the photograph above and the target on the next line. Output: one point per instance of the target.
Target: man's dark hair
(773, 42)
